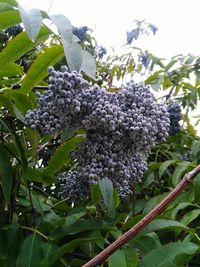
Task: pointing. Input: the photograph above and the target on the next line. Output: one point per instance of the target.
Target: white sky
(178, 21)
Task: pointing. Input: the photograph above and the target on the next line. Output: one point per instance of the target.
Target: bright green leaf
(5, 7)
(11, 69)
(62, 155)
(39, 69)
(20, 45)
(9, 18)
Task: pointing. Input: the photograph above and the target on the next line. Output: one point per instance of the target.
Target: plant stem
(102, 256)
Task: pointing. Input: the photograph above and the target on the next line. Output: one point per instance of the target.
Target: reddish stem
(102, 256)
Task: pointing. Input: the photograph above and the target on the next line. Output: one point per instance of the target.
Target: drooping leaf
(35, 175)
(164, 255)
(31, 20)
(88, 65)
(190, 216)
(73, 54)
(19, 45)
(38, 70)
(62, 155)
(9, 18)
(106, 188)
(64, 26)
(126, 257)
(5, 173)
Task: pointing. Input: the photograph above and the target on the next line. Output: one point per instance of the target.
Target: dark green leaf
(164, 166)
(164, 255)
(35, 175)
(95, 193)
(126, 257)
(179, 171)
(5, 173)
(197, 188)
(62, 155)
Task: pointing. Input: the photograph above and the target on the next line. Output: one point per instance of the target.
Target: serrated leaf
(31, 20)
(73, 54)
(164, 166)
(5, 173)
(179, 171)
(39, 69)
(9, 18)
(88, 65)
(62, 155)
(164, 255)
(126, 257)
(11, 69)
(20, 45)
(64, 26)
(106, 188)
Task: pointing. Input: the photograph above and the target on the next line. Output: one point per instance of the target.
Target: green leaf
(88, 64)
(9, 18)
(164, 166)
(106, 188)
(62, 155)
(95, 194)
(31, 20)
(163, 224)
(5, 173)
(20, 45)
(5, 7)
(179, 171)
(10, 2)
(31, 253)
(179, 207)
(197, 188)
(38, 70)
(11, 239)
(146, 243)
(11, 69)
(164, 255)
(35, 175)
(64, 26)
(190, 216)
(126, 257)
(73, 54)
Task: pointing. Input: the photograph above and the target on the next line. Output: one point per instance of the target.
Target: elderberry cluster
(121, 129)
(80, 32)
(175, 116)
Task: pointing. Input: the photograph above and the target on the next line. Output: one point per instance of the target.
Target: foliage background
(37, 228)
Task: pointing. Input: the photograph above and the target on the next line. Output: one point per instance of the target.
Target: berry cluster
(144, 59)
(80, 32)
(121, 129)
(101, 52)
(175, 116)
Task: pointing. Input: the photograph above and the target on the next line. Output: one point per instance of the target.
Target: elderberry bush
(121, 129)
(175, 117)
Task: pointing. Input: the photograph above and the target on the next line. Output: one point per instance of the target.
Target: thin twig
(146, 220)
